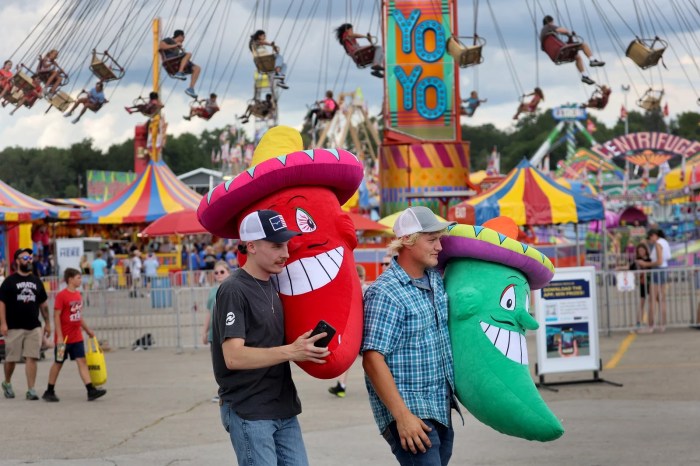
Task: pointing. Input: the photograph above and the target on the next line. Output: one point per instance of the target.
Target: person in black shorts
(641, 253)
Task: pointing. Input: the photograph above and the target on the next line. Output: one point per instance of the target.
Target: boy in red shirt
(69, 323)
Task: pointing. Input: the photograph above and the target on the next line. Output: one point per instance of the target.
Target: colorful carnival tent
(155, 192)
(76, 202)
(16, 206)
(529, 197)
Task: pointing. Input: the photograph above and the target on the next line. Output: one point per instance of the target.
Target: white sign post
(567, 339)
(68, 253)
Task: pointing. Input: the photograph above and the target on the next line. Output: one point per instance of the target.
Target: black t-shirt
(244, 309)
(22, 296)
(170, 53)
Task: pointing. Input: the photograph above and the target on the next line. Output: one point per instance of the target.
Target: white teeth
(511, 344)
(309, 273)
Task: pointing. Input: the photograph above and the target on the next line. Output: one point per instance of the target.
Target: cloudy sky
(316, 61)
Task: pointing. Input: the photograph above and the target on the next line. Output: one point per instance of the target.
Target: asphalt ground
(158, 411)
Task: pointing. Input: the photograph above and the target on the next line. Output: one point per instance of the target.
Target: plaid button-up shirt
(407, 323)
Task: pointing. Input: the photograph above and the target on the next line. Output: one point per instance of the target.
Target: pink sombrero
(337, 169)
(480, 242)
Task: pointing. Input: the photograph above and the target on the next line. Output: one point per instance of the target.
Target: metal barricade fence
(620, 310)
(173, 314)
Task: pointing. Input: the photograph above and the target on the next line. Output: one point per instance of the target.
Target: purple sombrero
(485, 244)
(337, 169)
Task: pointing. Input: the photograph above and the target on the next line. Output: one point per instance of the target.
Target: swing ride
(415, 47)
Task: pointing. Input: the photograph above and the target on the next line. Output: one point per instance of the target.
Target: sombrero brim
(488, 245)
(337, 169)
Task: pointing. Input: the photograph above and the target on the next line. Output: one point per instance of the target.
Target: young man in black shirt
(22, 296)
(258, 399)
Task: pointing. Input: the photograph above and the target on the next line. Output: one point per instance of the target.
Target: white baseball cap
(418, 219)
(266, 224)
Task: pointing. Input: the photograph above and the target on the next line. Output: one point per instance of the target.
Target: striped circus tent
(529, 197)
(76, 202)
(16, 206)
(155, 192)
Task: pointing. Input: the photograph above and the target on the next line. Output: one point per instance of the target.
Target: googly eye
(304, 221)
(508, 298)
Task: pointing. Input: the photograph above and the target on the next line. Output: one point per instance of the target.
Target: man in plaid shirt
(406, 346)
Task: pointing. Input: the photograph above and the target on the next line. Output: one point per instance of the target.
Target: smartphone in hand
(321, 327)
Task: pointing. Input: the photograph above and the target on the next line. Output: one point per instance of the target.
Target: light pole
(625, 91)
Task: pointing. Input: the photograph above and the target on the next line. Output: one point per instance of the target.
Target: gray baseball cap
(418, 219)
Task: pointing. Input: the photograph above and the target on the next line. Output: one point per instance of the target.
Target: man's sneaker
(244, 121)
(338, 390)
(96, 393)
(187, 118)
(7, 390)
(283, 85)
(596, 63)
(587, 80)
(180, 75)
(49, 396)
(31, 395)
(190, 92)
(377, 73)
(378, 68)
(75, 120)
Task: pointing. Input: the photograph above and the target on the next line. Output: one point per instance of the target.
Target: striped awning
(16, 206)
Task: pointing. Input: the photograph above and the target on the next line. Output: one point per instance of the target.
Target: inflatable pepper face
(319, 281)
(488, 279)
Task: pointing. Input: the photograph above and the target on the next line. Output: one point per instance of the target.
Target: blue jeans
(264, 443)
(439, 454)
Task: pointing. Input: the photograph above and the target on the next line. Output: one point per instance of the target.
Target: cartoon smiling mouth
(511, 344)
(309, 273)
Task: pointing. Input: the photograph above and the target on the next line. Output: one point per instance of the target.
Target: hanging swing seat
(646, 52)
(105, 67)
(264, 62)
(198, 108)
(364, 56)
(651, 100)
(144, 108)
(22, 81)
(171, 65)
(61, 100)
(562, 52)
(260, 109)
(466, 55)
(85, 94)
(599, 98)
(14, 96)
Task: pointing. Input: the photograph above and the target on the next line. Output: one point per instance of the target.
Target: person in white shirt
(660, 254)
(135, 266)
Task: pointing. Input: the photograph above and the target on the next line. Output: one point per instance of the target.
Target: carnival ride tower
(422, 158)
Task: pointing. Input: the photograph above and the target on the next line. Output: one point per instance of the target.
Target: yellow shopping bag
(96, 362)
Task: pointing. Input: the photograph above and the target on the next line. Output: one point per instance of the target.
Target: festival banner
(102, 185)
(420, 75)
